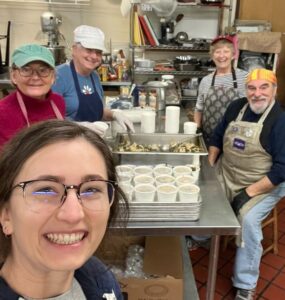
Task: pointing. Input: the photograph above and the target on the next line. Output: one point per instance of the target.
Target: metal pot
(159, 87)
(144, 63)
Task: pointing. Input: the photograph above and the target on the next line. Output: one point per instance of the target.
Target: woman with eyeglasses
(79, 83)
(32, 73)
(58, 195)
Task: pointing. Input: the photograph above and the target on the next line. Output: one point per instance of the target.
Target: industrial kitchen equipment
(50, 23)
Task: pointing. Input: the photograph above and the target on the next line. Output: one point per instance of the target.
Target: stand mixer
(50, 23)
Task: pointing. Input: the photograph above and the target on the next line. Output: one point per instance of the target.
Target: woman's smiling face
(64, 238)
(222, 57)
(35, 85)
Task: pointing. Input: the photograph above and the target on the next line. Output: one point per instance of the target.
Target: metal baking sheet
(159, 211)
(161, 139)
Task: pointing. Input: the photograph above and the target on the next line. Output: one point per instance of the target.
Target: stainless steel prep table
(216, 219)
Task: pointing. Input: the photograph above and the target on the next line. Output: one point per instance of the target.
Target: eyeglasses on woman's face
(47, 195)
(41, 71)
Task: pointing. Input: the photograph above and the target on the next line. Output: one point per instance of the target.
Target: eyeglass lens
(43, 195)
(41, 71)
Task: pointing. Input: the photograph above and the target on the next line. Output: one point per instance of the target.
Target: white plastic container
(167, 193)
(145, 192)
(189, 193)
(148, 121)
(172, 119)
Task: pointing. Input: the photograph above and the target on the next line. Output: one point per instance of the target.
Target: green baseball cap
(32, 52)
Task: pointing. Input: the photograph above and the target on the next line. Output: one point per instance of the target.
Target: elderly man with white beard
(249, 144)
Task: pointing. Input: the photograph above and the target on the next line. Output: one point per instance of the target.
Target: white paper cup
(140, 170)
(166, 193)
(185, 179)
(195, 171)
(124, 178)
(124, 169)
(143, 179)
(148, 122)
(190, 127)
(145, 192)
(189, 193)
(181, 170)
(127, 189)
(164, 179)
(162, 170)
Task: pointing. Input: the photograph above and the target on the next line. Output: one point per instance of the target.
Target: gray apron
(216, 102)
(244, 160)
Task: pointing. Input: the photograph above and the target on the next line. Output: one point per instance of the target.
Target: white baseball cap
(90, 37)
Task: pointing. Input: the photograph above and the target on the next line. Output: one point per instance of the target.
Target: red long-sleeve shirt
(12, 119)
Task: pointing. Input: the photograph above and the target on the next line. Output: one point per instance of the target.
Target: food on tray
(164, 179)
(177, 147)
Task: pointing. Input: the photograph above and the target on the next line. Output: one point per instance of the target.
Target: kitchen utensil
(131, 90)
(130, 135)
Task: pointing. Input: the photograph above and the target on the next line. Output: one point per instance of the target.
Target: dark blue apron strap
(90, 105)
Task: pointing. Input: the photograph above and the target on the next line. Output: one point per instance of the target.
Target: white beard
(258, 109)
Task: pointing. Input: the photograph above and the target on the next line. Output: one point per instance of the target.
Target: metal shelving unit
(181, 73)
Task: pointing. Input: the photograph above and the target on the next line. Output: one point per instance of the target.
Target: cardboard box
(162, 259)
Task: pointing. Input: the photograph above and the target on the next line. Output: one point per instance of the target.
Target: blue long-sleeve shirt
(272, 137)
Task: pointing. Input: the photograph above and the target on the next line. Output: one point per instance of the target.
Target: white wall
(26, 26)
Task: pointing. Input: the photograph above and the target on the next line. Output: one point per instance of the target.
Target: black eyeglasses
(42, 195)
(27, 71)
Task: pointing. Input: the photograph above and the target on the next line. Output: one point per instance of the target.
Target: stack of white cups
(148, 121)
(172, 119)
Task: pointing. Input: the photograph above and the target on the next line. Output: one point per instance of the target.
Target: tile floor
(271, 284)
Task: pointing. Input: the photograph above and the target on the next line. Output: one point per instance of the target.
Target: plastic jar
(171, 93)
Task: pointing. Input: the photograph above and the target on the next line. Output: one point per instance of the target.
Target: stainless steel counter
(216, 219)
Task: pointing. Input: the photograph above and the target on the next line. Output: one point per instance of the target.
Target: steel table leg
(213, 266)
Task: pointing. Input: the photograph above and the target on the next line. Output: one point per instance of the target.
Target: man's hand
(239, 200)
(124, 122)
